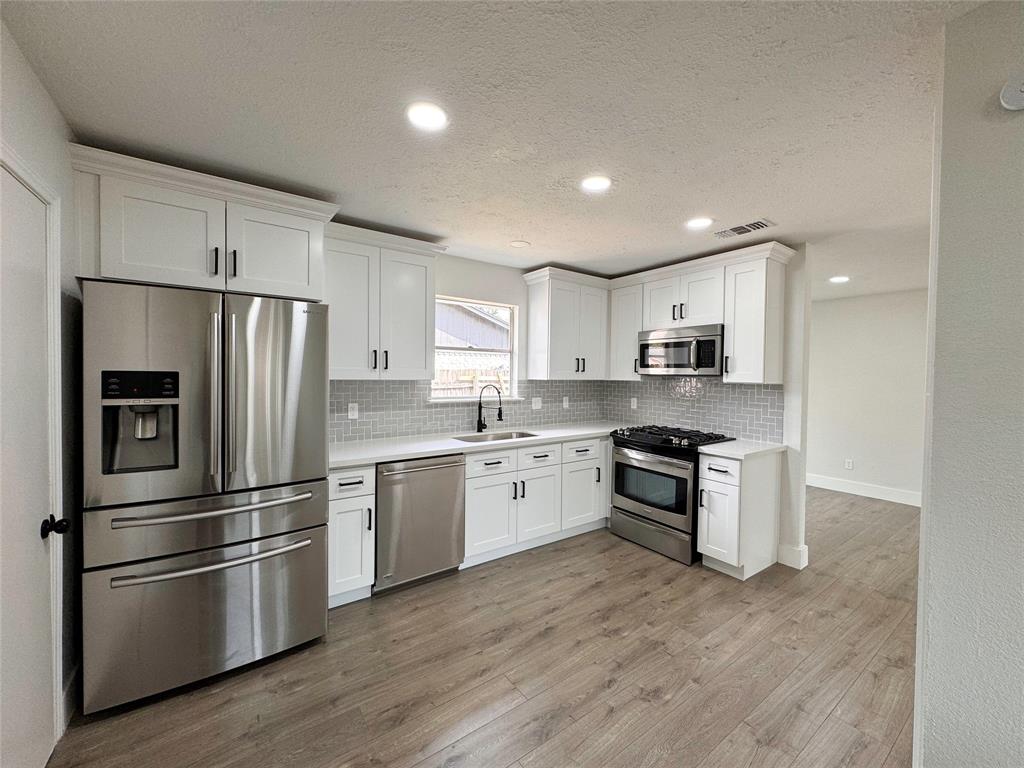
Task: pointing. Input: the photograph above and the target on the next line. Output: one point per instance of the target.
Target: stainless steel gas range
(655, 494)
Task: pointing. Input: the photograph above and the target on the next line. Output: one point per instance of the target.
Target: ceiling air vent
(744, 229)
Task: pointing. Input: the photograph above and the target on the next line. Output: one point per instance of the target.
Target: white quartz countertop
(361, 452)
(740, 449)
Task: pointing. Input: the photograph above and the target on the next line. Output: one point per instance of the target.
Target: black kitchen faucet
(481, 425)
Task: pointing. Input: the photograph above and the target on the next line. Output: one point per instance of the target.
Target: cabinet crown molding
(773, 251)
(104, 163)
(348, 233)
(557, 273)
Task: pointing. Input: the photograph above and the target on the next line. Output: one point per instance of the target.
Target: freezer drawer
(154, 626)
(126, 534)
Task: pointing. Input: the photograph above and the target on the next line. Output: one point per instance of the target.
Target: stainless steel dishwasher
(421, 519)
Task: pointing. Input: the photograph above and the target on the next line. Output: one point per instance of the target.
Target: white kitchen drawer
(721, 470)
(358, 481)
(490, 463)
(539, 456)
(581, 450)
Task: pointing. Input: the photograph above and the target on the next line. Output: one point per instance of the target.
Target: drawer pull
(713, 468)
(139, 522)
(493, 463)
(582, 450)
(132, 581)
(541, 455)
(350, 483)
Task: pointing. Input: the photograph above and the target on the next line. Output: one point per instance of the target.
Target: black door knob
(61, 526)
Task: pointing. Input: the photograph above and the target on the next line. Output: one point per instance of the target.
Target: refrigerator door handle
(140, 522)
(215, 436)
(229, 436)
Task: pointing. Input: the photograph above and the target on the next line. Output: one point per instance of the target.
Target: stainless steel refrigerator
(205, 492)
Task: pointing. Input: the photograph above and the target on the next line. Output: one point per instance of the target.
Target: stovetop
(666, 440)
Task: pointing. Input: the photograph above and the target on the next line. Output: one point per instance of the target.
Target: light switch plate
(632, 403)
(565, 402)
(536, 403)
(353, 410)
(848, 463)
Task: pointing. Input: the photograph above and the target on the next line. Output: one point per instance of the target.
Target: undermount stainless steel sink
(487, 437)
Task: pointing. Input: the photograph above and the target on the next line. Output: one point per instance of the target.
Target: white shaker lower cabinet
(738, 513)
(275, 253)
(538, 508)
(583, 492)
(490, 512)
(351, 525)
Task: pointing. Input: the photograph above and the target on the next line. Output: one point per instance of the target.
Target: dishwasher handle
(422, 469)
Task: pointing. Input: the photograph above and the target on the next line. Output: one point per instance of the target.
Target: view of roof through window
(472, 348)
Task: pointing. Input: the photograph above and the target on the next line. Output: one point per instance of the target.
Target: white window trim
(514, 396)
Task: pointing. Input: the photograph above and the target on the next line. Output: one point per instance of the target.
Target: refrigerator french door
(205, 467)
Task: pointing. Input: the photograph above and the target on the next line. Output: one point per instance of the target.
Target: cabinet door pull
(515, 490)
(522, 492)
(375, 359)
(492, 463)
(636, 365)
(726, 363)
(702, 497)
(584, 365)
(234, 262)
(598, 474)
(682, 310)
(216, 259)
(369, 518)
(674, 308)
(385, 359)
(577, 365)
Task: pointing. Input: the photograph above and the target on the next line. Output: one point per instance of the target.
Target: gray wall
(969, 707)
(403, 408)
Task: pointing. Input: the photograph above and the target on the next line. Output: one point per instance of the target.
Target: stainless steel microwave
(695, 351)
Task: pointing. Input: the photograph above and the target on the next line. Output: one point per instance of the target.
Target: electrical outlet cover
(353, 410)
(848, 463)
(565, 402)
(536, 403)
(632, 403)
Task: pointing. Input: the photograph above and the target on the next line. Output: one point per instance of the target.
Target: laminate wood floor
(588, 652)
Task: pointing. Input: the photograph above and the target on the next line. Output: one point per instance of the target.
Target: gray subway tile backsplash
(403, 408)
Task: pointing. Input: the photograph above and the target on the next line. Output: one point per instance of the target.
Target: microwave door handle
(693, 354)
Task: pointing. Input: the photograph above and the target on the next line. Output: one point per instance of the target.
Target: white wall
(866, 395)
(969, 707)
(469, 279)
(33, 127)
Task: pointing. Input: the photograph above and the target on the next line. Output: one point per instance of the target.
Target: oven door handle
(639, 458)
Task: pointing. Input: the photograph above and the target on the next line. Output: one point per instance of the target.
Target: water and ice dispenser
(140, 421)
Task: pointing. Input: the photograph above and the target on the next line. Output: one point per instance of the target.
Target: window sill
(489, 401)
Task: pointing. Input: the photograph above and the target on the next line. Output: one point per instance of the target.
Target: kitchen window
(474, 345)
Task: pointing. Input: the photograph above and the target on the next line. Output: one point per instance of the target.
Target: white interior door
(274, 253)
(26, 641)
(406, 315)
(353, 293)
(702, 297)
(627, 322)
(158, 235)
(540, 502)
(564, 354)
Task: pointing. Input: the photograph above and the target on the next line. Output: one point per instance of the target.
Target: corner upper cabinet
(382, 307)
(627, 321)
(755, 293)
(567, 325)
(269, 252)
(155, 223)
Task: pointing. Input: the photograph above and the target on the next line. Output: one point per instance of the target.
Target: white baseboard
(351, 596)
(794, 556)
(540, 541)
(884, 492)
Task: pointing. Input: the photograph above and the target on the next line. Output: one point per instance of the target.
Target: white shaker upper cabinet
(158, 235)
(626, 323)
(702, 297)
(353, 293)
(406, 315)
(567, 325)
(564, 352)
(593, 339)
(754, 299)
(274, 253)
(661, 303)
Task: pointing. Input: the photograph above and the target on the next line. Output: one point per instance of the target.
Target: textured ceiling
(815, 115)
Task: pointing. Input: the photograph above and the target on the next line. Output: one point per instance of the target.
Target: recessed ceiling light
(427, 116)
(519, 244)
(701, 222)
(595, 184)
(838, 279)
